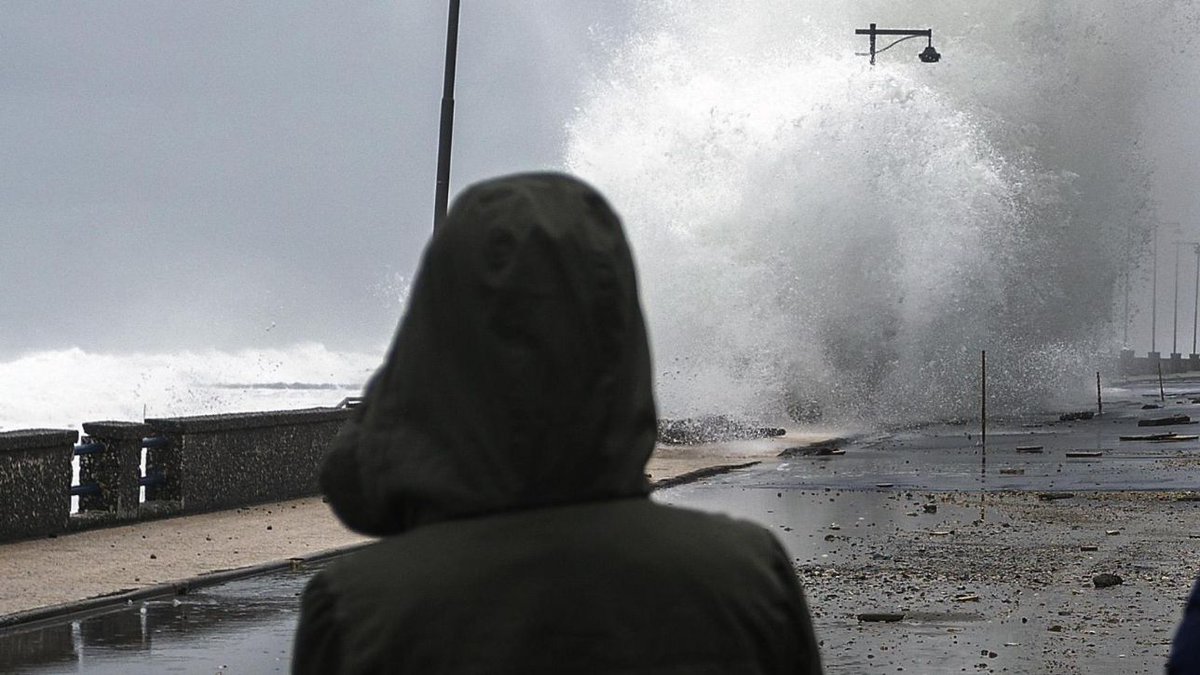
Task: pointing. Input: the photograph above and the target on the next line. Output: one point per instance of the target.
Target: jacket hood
(519, 376)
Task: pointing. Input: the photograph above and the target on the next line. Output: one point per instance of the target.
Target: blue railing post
(115, 471)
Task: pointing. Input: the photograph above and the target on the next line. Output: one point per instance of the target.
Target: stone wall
(35, 481)
(193, 464)
(219, 461)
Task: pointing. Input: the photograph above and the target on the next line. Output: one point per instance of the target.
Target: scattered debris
(1052, 496)
(1148, 437)
(881, 617)
(966, 597)
(1164, 421)
(711, 428)
(826, 449)
(1073, 416)
(1012, 472)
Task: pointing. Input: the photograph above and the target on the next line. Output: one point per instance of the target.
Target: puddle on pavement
(242, 626)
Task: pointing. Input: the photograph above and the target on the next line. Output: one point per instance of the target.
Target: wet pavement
(873, 529)
(242, 626)
(988, 557)
(1034, 453)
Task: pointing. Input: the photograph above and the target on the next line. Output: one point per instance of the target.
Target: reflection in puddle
(242, 626)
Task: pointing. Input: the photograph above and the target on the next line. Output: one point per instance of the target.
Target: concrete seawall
(192, 465)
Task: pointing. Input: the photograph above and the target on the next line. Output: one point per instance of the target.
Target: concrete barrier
(193, 464)
(215, 462)
(35, 481)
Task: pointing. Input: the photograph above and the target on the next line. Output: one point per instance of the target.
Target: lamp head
(929, 55)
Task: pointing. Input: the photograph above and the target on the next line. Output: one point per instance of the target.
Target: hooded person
(500, 454)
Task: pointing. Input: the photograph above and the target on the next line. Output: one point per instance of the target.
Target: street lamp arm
(930, 54)
(927, 32)
(880, 51)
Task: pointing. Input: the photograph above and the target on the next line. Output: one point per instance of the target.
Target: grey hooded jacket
(500, 453)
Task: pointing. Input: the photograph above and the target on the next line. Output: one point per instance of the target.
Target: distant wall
(193, 464)
(1131, 364)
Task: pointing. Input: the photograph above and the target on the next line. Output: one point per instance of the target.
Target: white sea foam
(64, 388)
(816, 233)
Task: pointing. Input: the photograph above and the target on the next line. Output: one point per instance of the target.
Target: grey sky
(249, 174)
(240, 174)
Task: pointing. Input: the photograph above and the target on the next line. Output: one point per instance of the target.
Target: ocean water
(63, 389)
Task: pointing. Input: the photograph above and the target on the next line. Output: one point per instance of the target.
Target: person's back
(626, 586)
(501, 453)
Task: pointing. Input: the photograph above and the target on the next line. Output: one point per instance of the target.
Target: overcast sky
(241, 174)
(252, 174)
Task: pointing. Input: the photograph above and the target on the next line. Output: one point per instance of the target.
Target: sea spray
(818, 236)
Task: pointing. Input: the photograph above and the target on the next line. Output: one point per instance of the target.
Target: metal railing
(149, 478)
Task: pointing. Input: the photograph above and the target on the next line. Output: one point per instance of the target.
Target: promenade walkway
(44, 576)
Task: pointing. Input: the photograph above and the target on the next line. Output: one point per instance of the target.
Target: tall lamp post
(1175, 314)
(1193, 357)
(1154, 299)
(928, 55)
(446, 132)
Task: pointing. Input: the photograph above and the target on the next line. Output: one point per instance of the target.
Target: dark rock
(827, 449)
(1073, 416)
(930, 508)
(1105, 580)
(1052, 496)
(1151, 406)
